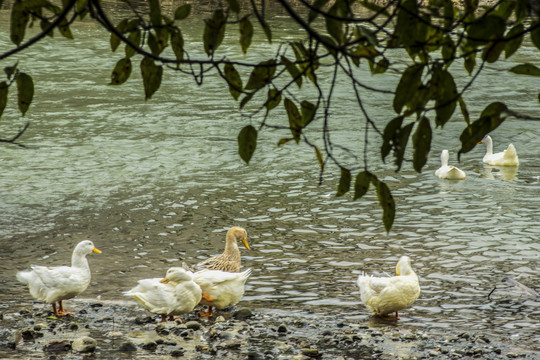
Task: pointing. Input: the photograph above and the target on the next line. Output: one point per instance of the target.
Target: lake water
(159, 182)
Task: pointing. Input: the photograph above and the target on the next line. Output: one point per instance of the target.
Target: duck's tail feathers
(511, 150)
(246, 274)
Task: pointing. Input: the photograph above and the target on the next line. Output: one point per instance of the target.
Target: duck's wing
(60, 276)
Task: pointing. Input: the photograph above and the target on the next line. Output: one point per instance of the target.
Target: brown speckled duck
(230, 259)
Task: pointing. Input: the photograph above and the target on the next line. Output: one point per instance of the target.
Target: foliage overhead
(344, 35)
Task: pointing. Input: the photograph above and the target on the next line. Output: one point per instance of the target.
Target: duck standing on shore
(384, 295)
(54, 284)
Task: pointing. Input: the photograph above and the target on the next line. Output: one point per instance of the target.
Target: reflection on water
(506, 173)
(157, 183)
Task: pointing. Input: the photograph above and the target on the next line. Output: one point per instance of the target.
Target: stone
(282, 328)
(194, 325)
(312, 353)
(57, 346)
(84, 344)
(151, 345)
(127, 346)
(243, 314)
(177, 353)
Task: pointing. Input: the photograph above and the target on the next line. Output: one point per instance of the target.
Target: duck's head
(486, 140)
(403, 266)
(86, 247)
(177, 275)
(237, 233)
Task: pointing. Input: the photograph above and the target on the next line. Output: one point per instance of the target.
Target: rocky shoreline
(121, 330)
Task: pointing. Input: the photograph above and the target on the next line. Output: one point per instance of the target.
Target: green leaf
(464, 111)
(273, 99)
(484, 29)
(234, 80)
(308, 112)
(64, 29)
(234, 6)
(214, 32)
(535, 34)
(344, 182)
(317, 5)
(151, 74)
(155, 12)
(115, 40)
(284, 141)
(3, 96)
(492, 116)
(387, 203)
(135, 38)
(408, 85)
(447, 95)
(261, 75)
(516, 38)
(470, 62)
(492, 51)
(246, 99)
(247, 142)
(295, 119)
(80, 6)
(25, 92)
(421, 143)
(177, 44)
(361, 185)
(121, 71)
(381, 66)
(318, 154)
(246, 34)
(11, 70)
(396, 137)
(526, 69)
(182, 12)
(266, 29)
(390, 131)
(333, 25)
(293, 70)
(19, 19)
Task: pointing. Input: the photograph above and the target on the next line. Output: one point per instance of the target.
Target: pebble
(243, 314)
(84, 344)
(312, 353)
(194, 325)
(57, 346)
(127, 346)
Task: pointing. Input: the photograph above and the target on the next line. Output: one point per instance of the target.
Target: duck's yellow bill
(97, 251)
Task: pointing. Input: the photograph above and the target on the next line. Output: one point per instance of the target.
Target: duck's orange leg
(61, 310)
(207, 313)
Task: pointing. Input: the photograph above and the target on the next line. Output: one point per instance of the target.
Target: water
(159, 182)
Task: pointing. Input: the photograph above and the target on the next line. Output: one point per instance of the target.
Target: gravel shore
(121, 330)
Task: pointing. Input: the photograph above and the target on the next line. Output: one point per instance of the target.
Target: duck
(384, 295)
(230, 259)
(506, 157)
(52, 285)
(448, 171)
(175, 294)
(221, 289)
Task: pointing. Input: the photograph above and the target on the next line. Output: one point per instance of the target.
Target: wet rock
(282, 328)
(253, 355)
(16, 338)
(151, 346)
(144, 320)
(220, 319)
(178, 353)
(84, 344)
(31, 334)
(243, 314)
(58, 346)
(73, 326)
(127, 346)
(312, 353)
(194, 325)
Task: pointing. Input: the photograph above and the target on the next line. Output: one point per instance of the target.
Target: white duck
(220, 289)
(507, 157)
(383, 295)
(175, 294)
(54, 284)
(448, 171)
